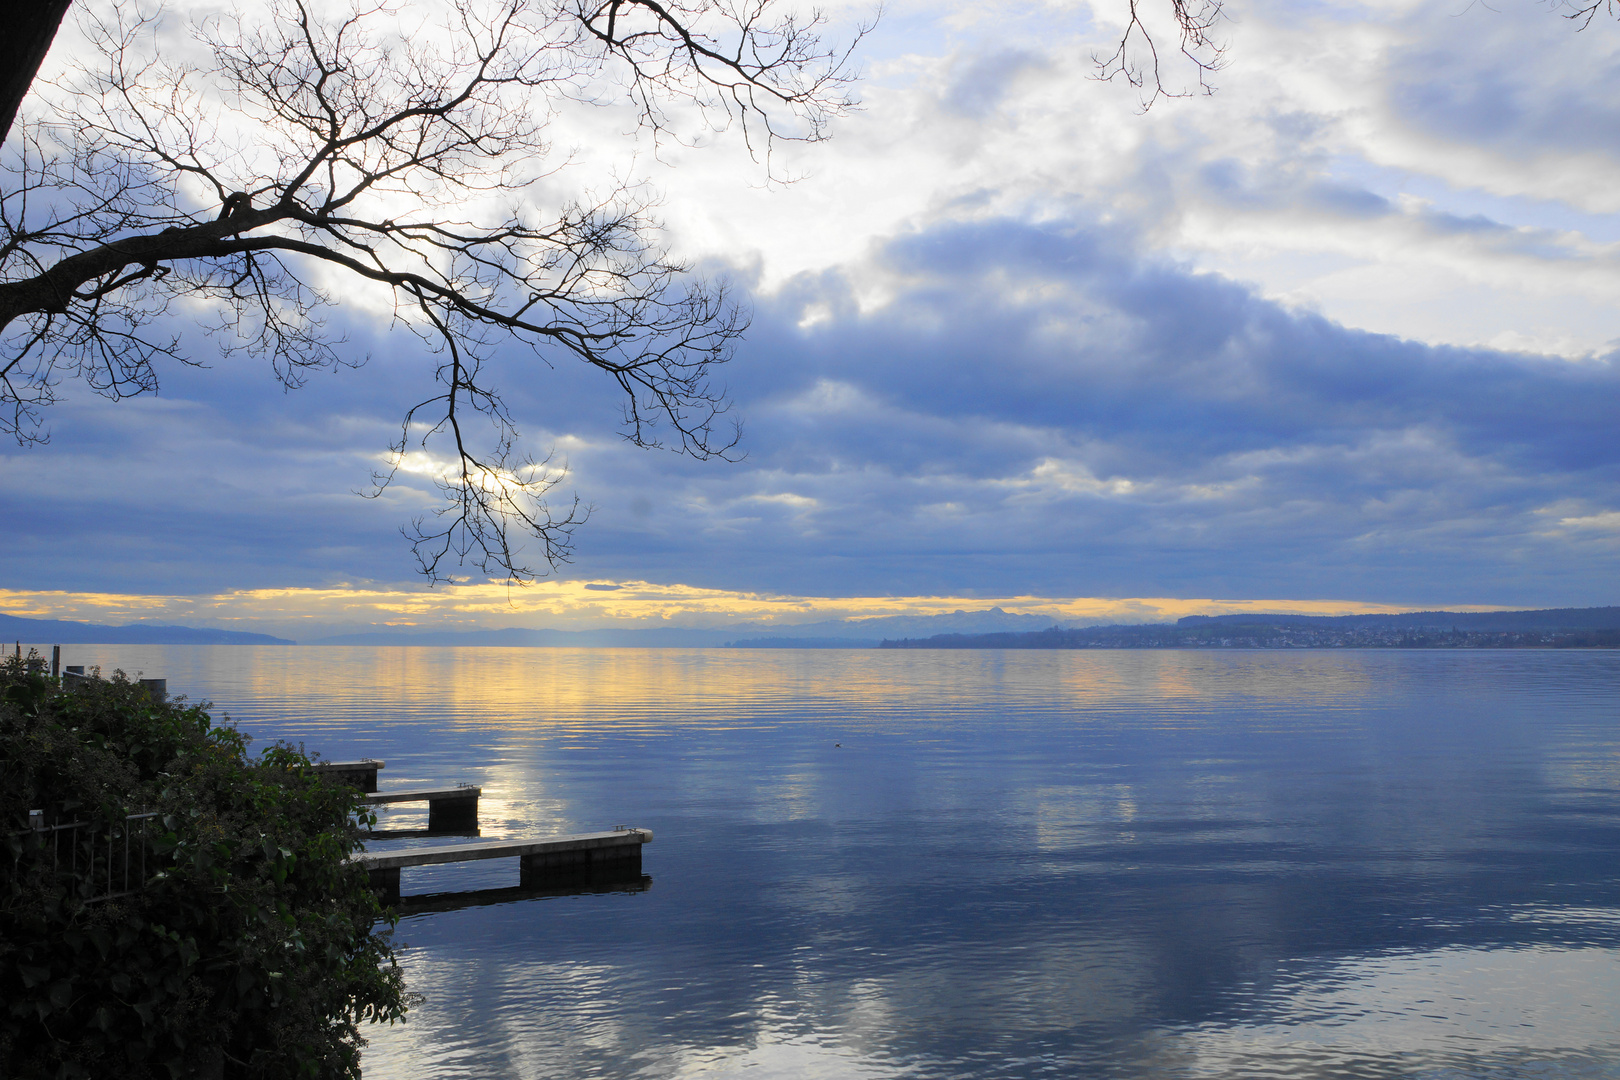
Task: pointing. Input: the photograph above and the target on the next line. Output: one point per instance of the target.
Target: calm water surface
(994, 864)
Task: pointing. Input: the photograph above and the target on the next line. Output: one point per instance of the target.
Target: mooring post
(454, 814)
(56, 661)
(554, 866)
(360, 774)
(386, 884)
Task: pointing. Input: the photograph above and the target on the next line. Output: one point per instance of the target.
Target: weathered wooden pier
(449, 809)
(361, 774)
(603, 861)
(615, 854)
(588, 858)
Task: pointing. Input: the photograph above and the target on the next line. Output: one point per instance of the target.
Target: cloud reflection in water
(1129, 865)
(1447, 1012)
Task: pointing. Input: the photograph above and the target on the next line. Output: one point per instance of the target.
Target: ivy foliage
(225, 935)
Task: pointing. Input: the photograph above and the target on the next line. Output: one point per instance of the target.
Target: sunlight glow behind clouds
(1003, 348)
(1271, 180)
(572, 605)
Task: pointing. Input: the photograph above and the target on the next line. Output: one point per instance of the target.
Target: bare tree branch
(1584, 11)
(731, 60)
(413, 159)
(30, 29)
(1137, 55)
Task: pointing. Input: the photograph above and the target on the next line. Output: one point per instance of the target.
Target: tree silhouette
(29, 31)
(403, 151)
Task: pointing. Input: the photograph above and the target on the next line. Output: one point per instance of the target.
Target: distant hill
(1553, 628)
(990, 628)
(65, 632)
(986, 621)
(804, 643)
(1596, 618)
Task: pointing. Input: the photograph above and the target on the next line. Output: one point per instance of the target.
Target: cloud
(1039, 403)
(1013, 338)
(1036, 409)
(566, 605)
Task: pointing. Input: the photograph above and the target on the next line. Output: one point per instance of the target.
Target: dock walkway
(362, 774)
(453, 809)
(602, 860)
(539, 861)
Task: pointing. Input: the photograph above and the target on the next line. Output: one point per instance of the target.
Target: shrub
(233, 940)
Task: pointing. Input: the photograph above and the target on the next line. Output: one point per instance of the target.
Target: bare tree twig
(1137, 58)
(1584, 11)
(318, 148)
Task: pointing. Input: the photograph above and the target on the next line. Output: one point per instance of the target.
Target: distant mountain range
(1553, 627)
(990, 620)
(1593, 618)
(837, 633)
(805, 643)
(990, 628)
(62, 632)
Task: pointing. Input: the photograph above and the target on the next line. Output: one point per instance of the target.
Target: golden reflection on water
(650, 690)
(1078, 928)
(562, 687)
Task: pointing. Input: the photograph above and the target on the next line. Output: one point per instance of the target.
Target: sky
(1339, 337)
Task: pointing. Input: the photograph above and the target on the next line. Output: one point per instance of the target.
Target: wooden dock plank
(424, 795)
(362, 774)
(539, 861)
(449, 809)
(363, 765)
(499, 849)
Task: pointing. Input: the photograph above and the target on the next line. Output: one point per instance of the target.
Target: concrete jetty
(453, 809)
(539, 861)
(362, 774)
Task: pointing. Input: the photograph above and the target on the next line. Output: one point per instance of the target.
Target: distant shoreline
(1549, 628)
(1268, 636)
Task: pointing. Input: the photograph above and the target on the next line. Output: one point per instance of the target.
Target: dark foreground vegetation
(178, 909)
(1562, 628)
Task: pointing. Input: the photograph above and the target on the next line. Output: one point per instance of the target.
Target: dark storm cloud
(1247, 187)
(1040, 409)
(1480, 77)
(223, 480)
(999, 407)
(978, 82)
(1066, 329)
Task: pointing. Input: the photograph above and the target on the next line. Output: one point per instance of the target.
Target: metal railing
(100, 860)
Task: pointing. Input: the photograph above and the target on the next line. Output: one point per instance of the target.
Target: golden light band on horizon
(585, 605)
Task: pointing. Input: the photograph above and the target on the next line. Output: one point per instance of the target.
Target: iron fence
(98, 860)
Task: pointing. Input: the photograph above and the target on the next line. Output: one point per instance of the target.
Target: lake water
(965, 864)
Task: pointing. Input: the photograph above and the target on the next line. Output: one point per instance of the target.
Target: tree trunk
(23, 47)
